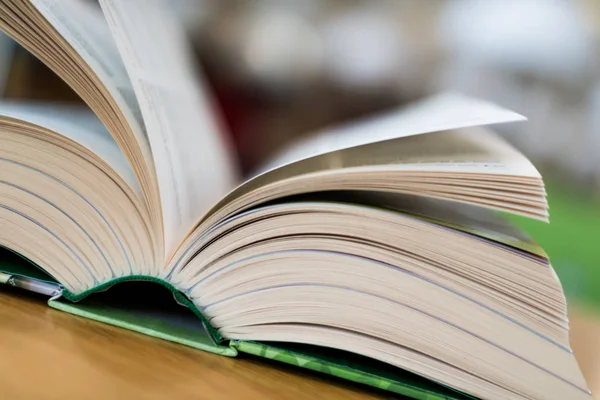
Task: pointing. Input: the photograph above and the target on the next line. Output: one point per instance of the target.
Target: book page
(429, 163)
(83, 26)
(473, 151)
(78, 124)
(192, 160)
(485, 224)
(441, 133)
(470, 150)
(438, 113)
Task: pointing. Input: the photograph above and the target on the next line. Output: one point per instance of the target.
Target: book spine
(180, 298)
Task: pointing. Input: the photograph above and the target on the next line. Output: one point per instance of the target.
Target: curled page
(84, 28)
(442, 112)
(192, 162)
(78, 124)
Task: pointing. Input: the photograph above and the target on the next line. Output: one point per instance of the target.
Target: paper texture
(439, 113)
(192, 162)
(474, 151)
(483, 223)
(78, 124)
(84, 28)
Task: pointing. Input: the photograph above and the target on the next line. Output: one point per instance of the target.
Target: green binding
(180, 297)
(352, 367)
(14, 263)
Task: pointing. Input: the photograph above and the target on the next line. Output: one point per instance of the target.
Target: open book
(371, 251)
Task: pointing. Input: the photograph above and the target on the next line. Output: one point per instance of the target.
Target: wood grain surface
(47, 354)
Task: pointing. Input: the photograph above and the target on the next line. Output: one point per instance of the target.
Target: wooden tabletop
(47, 354)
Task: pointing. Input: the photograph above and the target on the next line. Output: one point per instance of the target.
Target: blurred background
(279, 69)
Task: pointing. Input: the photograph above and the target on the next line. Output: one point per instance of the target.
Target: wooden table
(47, 354)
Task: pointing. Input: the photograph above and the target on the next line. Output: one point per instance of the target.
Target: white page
(83, 26)
(77, 123)
(442, 112)
(457, 147)
(192, 162)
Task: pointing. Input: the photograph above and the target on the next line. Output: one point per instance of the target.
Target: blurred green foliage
(572, 240)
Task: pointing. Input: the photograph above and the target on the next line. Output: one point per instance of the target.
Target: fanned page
(473, 220)
(402, 152)
(438, 113)
(89, 38)
(78, 124)
(192, 161)
(73, 39)
(173, 142)
(69, 199)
